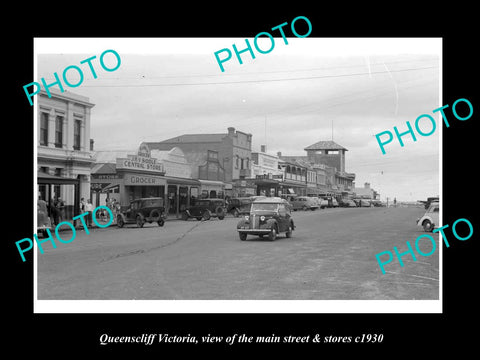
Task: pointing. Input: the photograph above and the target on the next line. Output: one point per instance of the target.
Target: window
(212, 154)
(44, 129)
(237, 162)
(58, 131)
(76, 134)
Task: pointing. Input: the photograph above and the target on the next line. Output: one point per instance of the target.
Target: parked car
(430, 220)
(304, 203)
(206, 209)
(269, 216)
(362, 202)
(241, 206)
(430, 200)
(331, 201)
(141, 211)
(322, 203)
(347, 203)
(377, 203)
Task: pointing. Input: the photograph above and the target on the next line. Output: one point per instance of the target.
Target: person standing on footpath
(89, 211)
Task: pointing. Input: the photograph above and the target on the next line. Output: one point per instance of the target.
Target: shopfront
(212, 189)
(181, 193)
(268, 185)
(148, 174)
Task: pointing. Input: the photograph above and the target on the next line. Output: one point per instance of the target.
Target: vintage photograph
(262, 187)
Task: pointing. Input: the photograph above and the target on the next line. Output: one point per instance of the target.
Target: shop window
(44, 129)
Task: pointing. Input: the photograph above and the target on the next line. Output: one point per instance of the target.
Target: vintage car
(141, 211)
(206, 209)
(304, 203)
(269, 216)
(362, 202)
(430, 220)
(323, 203)
(347, 203)
(241, 206)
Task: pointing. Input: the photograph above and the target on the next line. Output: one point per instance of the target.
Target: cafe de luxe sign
(141, 161)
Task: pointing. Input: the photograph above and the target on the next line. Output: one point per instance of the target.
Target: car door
(132, 211)
(435, 215)
(283, 218)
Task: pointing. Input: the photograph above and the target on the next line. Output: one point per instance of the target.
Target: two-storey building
(64, 155)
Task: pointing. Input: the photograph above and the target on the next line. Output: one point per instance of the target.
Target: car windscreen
(264, 207)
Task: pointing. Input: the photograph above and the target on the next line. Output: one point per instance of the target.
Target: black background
(404, 334)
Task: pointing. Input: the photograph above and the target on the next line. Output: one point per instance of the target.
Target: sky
(298, 94)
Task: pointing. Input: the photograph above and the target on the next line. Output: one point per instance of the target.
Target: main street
(331, 256)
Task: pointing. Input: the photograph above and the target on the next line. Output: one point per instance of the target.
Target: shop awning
(44, 178)
(181, 181)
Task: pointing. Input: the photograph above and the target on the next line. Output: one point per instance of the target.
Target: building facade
(221, 162)
(64, 149)
(130, 175)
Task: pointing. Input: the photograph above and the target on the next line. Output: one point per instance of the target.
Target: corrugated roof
(189, 138)
(106, 168)
(325, 145)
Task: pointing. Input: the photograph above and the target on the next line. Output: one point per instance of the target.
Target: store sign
(105, 176)
(135, 162)
(143, 150)
(140, 180)
(98, 186)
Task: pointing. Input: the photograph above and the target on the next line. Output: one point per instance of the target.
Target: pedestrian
(89, 211)
(42, 212)
(113, 207)
(60, 206)
(54, 213)
(82, 205)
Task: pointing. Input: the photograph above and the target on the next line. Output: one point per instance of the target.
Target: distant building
(328, 153)
(266, 176)
(221, 162)
(366, 192)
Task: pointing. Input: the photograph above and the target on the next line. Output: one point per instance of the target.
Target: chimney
(263, 148)
(279, 154)
(231, 131)
(367, 185)
(91, 144)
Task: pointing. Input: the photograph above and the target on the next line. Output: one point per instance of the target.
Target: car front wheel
(161, 222)
(427, 226)
(243, 236)
(273, 233)
(207, 215)
(288, 234)
(120, 222)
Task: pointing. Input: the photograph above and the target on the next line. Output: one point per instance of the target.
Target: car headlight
(247, 217)
(262, 218)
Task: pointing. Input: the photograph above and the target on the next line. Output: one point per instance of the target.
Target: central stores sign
(137, 162)
(137, 180)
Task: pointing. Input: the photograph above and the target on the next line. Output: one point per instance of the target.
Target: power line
(264, 80)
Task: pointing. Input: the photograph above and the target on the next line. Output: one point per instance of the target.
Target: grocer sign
(136, 180)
